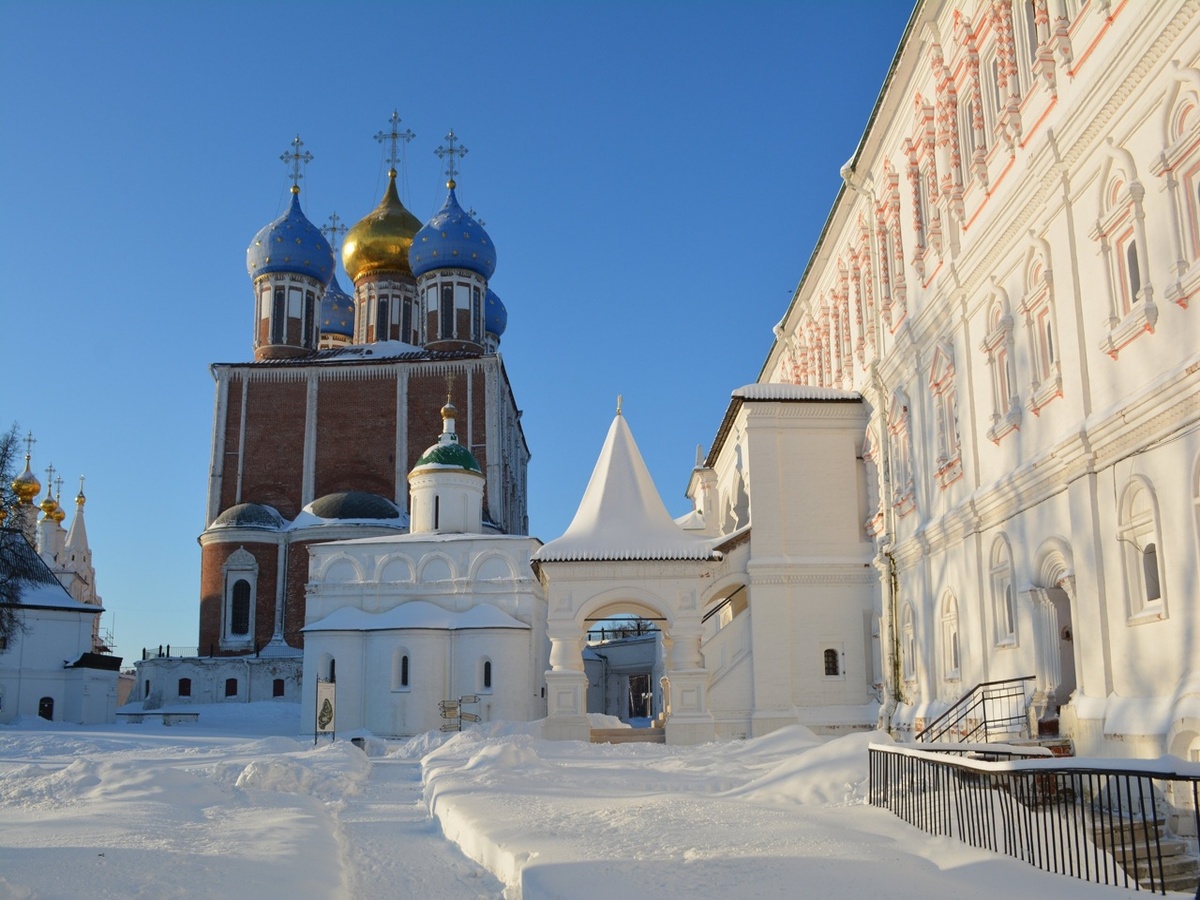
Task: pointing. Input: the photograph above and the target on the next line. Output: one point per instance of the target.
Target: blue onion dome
(495, 316)
(452, 239)
(291, 244)
(337, 310)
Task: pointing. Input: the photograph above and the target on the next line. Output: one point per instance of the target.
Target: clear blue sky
(654, 177)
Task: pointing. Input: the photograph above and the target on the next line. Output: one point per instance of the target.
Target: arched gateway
(623, 553)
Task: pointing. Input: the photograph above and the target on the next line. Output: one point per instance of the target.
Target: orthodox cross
(58, 487)
(395, 136)
(334, 230)
(80, 489)
(294, 159)
(30, 440)
(50, 470)
(451, 151)
(618, 404)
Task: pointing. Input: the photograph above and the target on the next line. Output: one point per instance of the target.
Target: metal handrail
(977, 700)
(1101, 825)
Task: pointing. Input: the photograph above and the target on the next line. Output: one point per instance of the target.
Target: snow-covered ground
(237, 804)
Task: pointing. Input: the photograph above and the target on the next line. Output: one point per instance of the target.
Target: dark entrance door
(46, 708)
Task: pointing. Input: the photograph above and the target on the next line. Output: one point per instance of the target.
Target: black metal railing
(990, 708)
(168, 650)
(1105, 826)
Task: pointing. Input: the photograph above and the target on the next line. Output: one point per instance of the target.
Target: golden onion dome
(48, 506)
(59, 513)
(3, 515)
(381, 241)
(26, 485)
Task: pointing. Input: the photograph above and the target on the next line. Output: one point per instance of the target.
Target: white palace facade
(1010, 279)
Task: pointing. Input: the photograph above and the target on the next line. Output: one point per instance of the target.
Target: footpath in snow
(779, 816)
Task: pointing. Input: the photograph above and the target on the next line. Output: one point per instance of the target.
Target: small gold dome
(381, 241)
(48, 506)
(26, 485)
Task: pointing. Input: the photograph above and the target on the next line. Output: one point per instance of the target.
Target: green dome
(449, 456)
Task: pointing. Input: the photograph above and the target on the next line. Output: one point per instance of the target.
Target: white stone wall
(1017, 262)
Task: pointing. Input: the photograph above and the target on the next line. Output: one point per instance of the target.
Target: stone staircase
(1134, 844)
(628, 736)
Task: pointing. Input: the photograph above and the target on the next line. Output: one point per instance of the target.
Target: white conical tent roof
(621, 515)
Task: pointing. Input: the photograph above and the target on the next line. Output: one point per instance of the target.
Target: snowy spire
(621, 515)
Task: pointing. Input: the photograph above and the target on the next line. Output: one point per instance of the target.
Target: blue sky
(654, 177)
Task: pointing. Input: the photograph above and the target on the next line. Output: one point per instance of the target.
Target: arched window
(400, 669)
(1004, 598)
(231, 687)
(1141, 542)
(239, 616)
(1037, 308)
(278, 688)
(832, 663)
(998, 347)
(951, 654)
(240, 575)
(486, 675)
(1120, 229)
(185, 687)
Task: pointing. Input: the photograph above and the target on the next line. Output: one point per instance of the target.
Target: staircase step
(628, 736)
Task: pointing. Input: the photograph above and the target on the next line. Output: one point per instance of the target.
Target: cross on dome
(293, 159)
(334, 230)
(395, 136)
(50, 470)
(448, 153)
(30, 440)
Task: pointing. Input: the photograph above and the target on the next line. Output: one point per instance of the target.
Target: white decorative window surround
(951, 648)
(401, 669)
(948, 464)
(900, 436)
(1179, 166)
(1122, 235)
(908, 643)
(1141, 543)
(997, 346)
(1037, 309)
(872, 464)
(240, 579)
(1004, 596)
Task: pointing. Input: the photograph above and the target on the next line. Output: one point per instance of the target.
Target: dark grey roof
(354, 505)
(250, 515)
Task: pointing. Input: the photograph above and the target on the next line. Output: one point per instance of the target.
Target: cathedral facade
(311, 438)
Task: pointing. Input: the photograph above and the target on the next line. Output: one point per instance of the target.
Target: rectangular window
(277, 316)
(185, 687)
(277, 687)
(231, 687)
(406, 323)
(447, 312)
(295, 296)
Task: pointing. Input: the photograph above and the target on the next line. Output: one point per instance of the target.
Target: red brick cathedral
(313, 439)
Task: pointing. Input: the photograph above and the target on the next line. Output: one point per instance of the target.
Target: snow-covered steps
(628, 736)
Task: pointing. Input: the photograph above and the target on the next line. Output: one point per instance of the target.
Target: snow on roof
(621, 515)
(415, 614)
(35, 583)
(768, 391)
(778, 391)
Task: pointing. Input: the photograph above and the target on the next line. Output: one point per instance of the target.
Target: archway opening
(624, 661)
